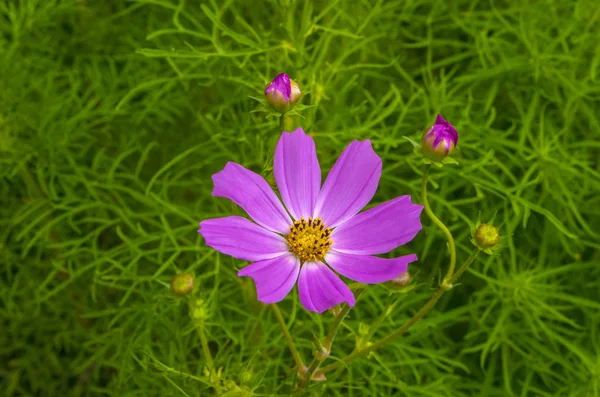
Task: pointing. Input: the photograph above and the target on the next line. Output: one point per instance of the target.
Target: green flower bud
(198, 310)
(245, 377)
(182, 283)
(486, 236)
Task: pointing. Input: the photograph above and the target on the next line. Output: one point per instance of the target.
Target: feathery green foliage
(115, 114)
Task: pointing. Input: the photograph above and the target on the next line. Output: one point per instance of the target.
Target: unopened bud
(283, 93)
(486, 236)
(402, 280)
(363, 329)
(182, 283)
(401, 284)
(245, 377)
(198, 310)
(439, 140)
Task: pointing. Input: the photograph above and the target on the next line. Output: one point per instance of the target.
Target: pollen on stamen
(309, 239)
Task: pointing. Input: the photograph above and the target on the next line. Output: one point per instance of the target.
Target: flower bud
(182, 283)
(439, 140)
(283, 93)
(401, 284)
(402, 280)
(486, 236)
(198, 310)
(245, 377)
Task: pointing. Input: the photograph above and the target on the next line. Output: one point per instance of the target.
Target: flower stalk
(415, 319)
(199, 314)
(446, 283)
(287, 336)
(337, 321)
(287, 122)
(327, 343)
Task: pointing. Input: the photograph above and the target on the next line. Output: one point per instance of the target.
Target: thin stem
(287, 122)
(287, 337)
(32, 186)
(335, 325)
(305, 379)
(440, 225)
(377, 323)
(337, 321)
(418, 316)
(465, 265)
(209, 358)
(204, 342)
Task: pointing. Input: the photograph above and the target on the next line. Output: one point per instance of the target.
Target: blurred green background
(115, 114)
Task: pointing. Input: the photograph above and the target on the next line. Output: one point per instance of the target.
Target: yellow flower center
(309, 240)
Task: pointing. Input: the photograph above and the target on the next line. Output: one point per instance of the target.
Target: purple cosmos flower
(439, 140)
(283, 93)
(321, 233)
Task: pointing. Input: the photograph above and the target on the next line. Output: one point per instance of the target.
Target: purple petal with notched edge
(251, 192)
(350, 185)
(242, 239)
(274, 278)
(380, 229)
(368, 269)
(281, 84)
(297, 172)
(320, 288)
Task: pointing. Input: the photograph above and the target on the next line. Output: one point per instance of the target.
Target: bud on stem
(283, 93)
(182, 283)
(439, 140)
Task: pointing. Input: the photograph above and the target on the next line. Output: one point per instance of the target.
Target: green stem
(446, 282)
(287, 337)
(337, 321)
(335, 325)
(305, 379)
(418, 316)
(204, 342)
(465, 265)
(287, 122)
(32, 187)
(214, 380)
(282, 122)
(379, 320)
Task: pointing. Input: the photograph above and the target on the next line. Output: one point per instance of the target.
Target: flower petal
(350, 185)
(380, 229)
(274, 278)
(242, 239)
(297, 173)
(368, 269)
(251, 192)
(281, 85)
(320, 288)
